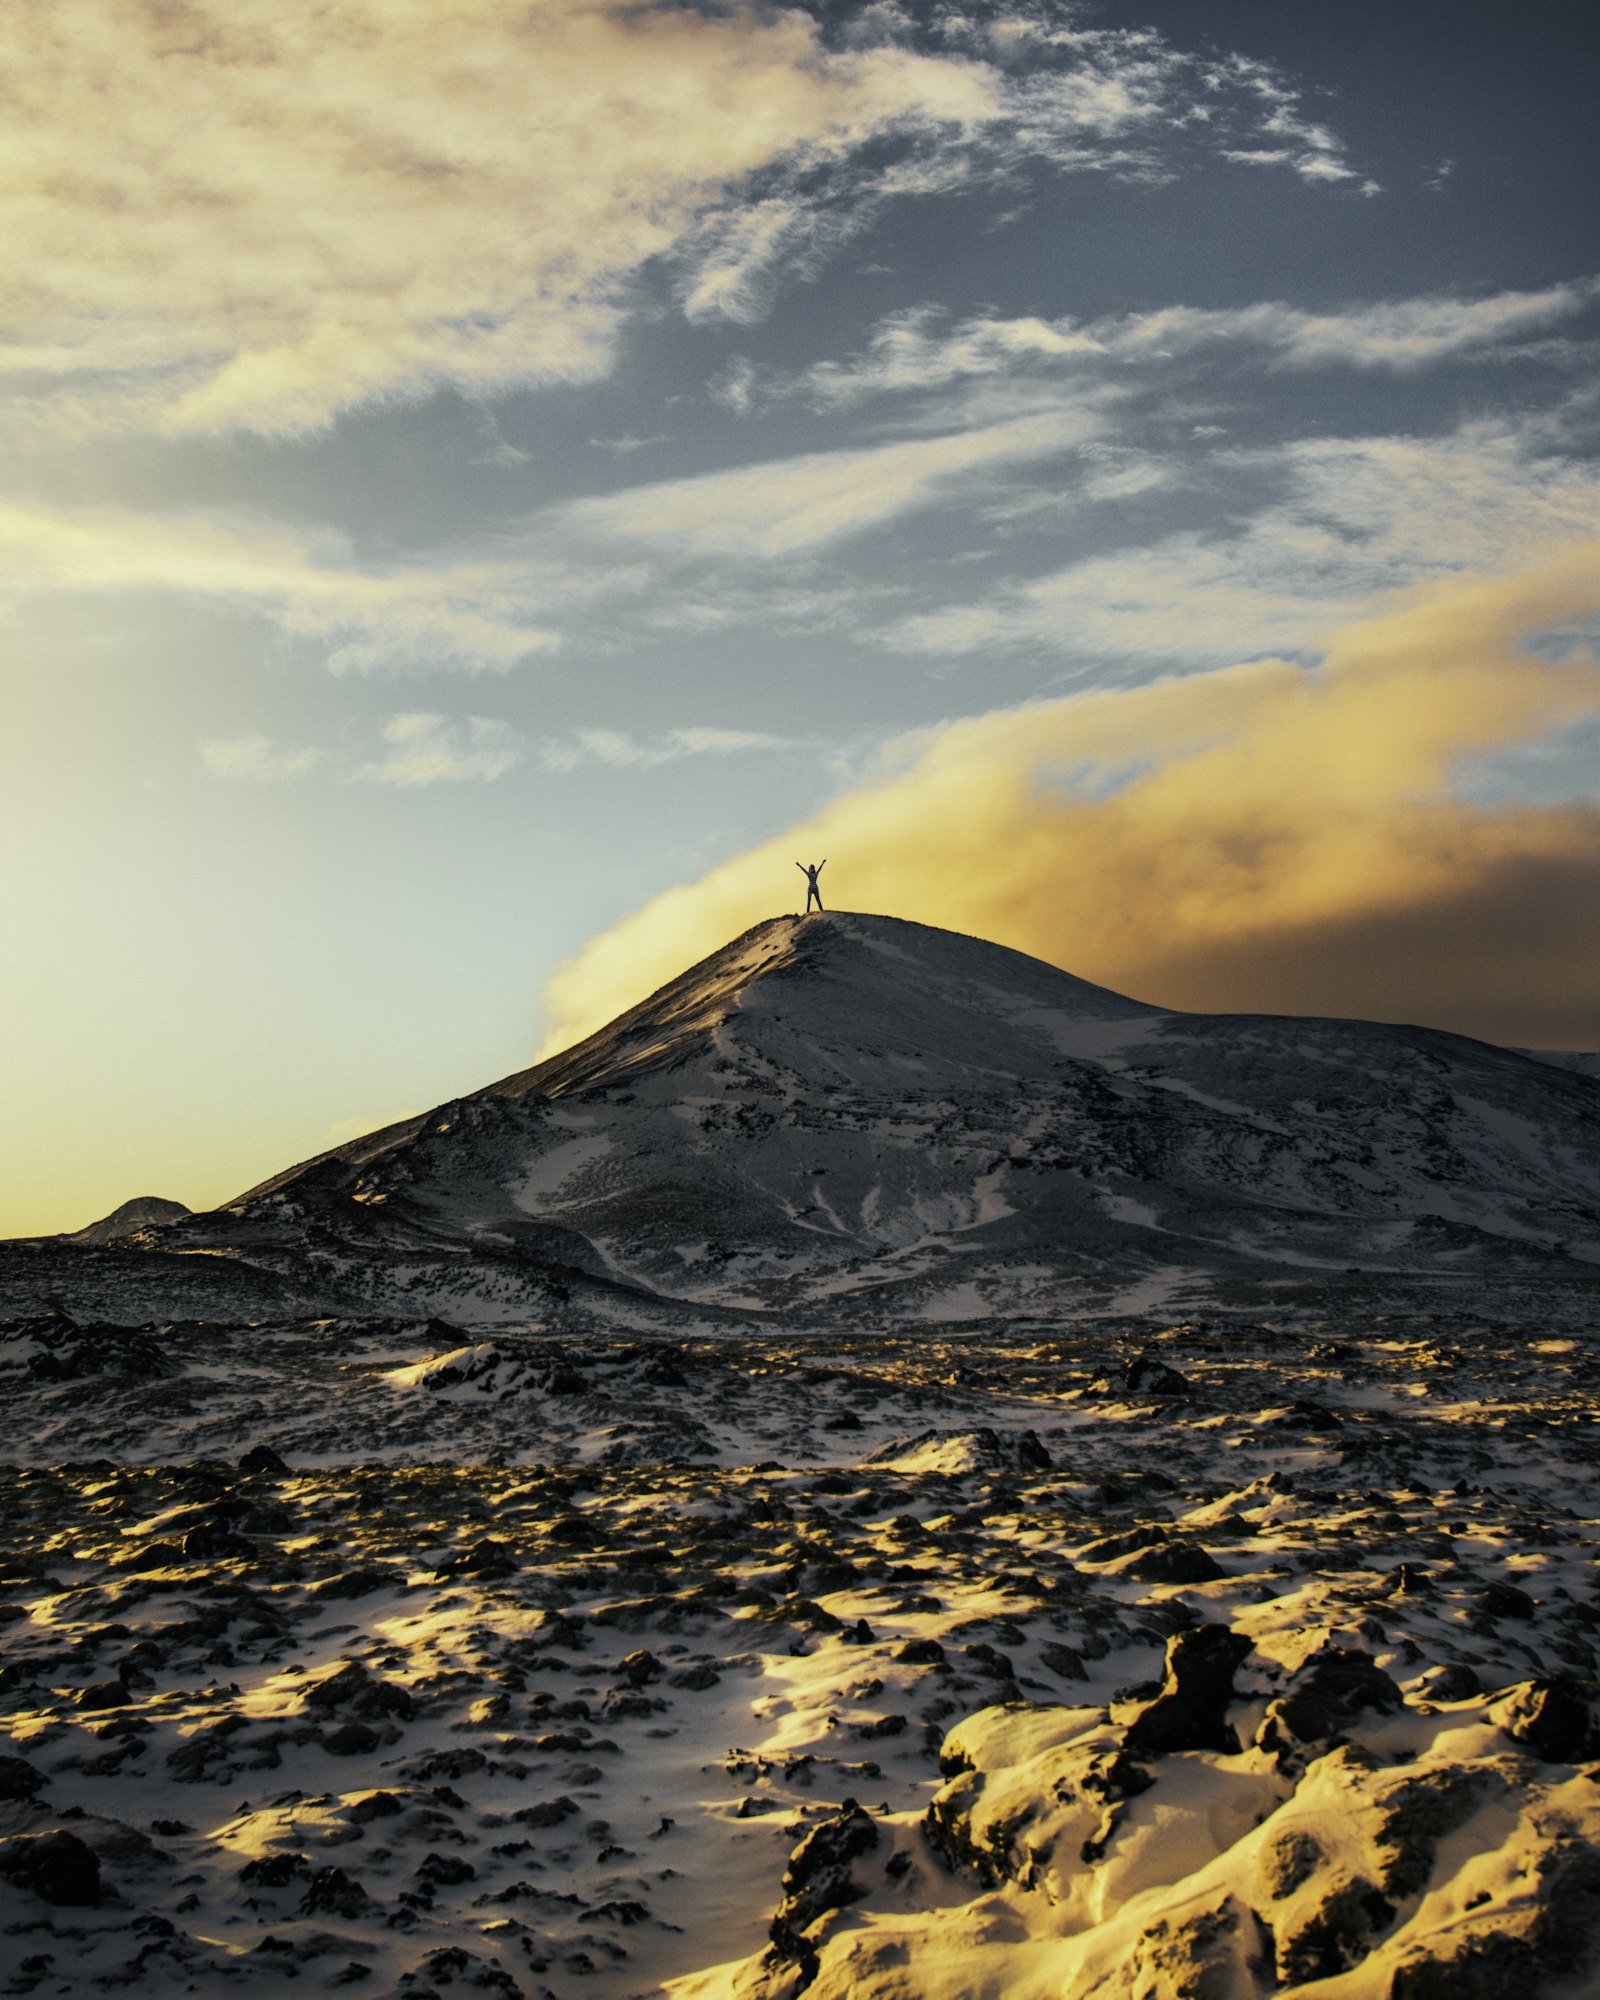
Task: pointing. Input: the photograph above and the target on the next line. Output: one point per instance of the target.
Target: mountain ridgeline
(850, 1117)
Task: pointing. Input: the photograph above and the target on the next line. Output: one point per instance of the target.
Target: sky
(487, 486)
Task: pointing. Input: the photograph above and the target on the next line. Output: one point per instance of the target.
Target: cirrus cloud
(911, 353)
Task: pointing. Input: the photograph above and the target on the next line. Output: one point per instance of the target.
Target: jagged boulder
(1335, 1687)
(1144, 1375)
(19, 1779)
(57, 1867)
(1191, 1711)
(351, 1690)
(819, 1879)
(1557, 1718)
(263, 1463)
(333, 1893)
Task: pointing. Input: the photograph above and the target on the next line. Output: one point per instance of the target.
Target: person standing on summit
(811, 871)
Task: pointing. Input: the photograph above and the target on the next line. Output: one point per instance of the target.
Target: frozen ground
(889, 1472)
(536, 1667)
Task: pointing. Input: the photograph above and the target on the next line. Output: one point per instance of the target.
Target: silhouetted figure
(811, 871)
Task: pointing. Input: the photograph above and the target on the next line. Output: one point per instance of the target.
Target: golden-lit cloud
(260, 213)
(1263, 837)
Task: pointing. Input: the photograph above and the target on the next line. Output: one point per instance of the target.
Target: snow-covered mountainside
(853, 1116)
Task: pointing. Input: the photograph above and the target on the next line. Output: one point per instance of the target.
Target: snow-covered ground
(620, 1627)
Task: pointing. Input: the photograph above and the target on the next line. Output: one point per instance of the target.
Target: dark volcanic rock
(1305, 1414)
(1144, 1375)
(1494, 1966)
(351, 1739)
(333, 1893)
(352, 1689)
(104, 1694)
(18, 1778)
(274, 1871)
(1555, 1718)
(447, 1871)
(818, 1879)
(546, 1812)
(55, 1866)
(149, 1556)
(920, 1652)
(263, 1461)
(1191, 1711)
(354, 1583)
(1065, 1661)
(215, 1541)
(69, 1352)
(640, 1669)
(1176, 1562)
(1418, 1814)
(1330, 1691)
(1504, 1600)
(1455, 1682)
(1111, 1548)
(488, 1558)
(1338, 1935)
(376, 1805)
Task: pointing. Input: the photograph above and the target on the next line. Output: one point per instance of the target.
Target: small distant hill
(143, 1212)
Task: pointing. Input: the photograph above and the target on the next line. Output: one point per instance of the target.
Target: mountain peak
(835, 972)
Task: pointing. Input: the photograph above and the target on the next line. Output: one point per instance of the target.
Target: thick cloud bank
(1266, 837)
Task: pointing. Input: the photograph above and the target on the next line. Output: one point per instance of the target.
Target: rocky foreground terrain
(1231, 1658)
(887, 1472)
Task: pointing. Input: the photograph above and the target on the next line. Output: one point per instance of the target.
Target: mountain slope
(849, 1114)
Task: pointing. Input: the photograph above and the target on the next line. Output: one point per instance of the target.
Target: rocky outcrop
(1191, 1711)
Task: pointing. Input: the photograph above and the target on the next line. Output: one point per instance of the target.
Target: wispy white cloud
(253, 215)
(426, 749)
(257, 759)
(620, 751)
(1401, 335)
(472, 614)
(1347, 518)
(800, 503)
(909, 353)
(626, 445)
(912, 353)
(1303, 144)
(418, 749)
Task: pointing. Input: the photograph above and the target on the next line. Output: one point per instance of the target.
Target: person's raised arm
(820, 866)
(801, 866)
